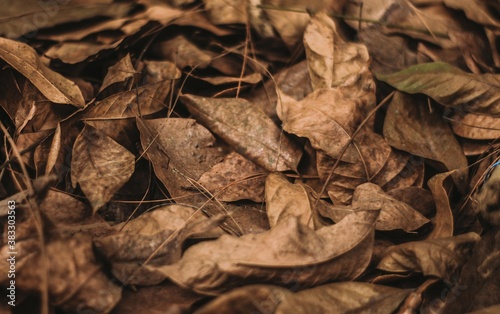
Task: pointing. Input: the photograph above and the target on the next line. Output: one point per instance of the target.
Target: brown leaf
(319, 42)
(143, 100)
(33, 15)
(344, 297)
(183, 53)
(51, 84)
(247, 299)
(326, 117)
(443, 221)
(119, 72)
(159, 234)
(409, 125)
(444, 257)
(242, 125)
(179, 149)
(394, 214)
(284, 199)
(100, 166)
(338, 252)
(235, 178)
(449, 86)
(477, 127)
(74, 278)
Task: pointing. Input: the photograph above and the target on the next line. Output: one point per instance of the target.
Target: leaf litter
(201, 156)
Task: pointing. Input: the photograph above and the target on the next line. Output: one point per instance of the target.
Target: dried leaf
(338, 252)
(409, 125)
(180, 150)
(443, 257)
(284, 199)
(159, 234)
(318, 43)
(449, 86)
(242, 125)
(51, 84)
(235, 178)
(344, 297)
(144, 100)
(100, 166)
(119, 72)
(477, 127)
(443, 221)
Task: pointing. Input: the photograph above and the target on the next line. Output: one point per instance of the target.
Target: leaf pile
(205, 156)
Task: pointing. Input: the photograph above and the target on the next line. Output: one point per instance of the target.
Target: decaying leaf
(450, 86)
(156, 237)
(235, 178)
(51, 84)
(423, 133)
(100, 166)
(443, 257)
(245, 127)
(289, 253)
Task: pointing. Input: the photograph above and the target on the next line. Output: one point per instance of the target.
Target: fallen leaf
(473, 126)
(449, 86)
(289, 253)
(443, 220)
(344, 297)
(443, 257)
(51, 84)
(235, 178)
(100, 166)
(119, 72)
(246, 128)
(423, 133)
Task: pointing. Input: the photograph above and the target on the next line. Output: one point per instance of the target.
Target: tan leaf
(51, 84)
(443, 221)
(159, 234)
(338, 252)
(180, 150)
(100, 166)
(326, 117)
(344, 297)
(410, 126)
(284, 199)
(394, 214)
(33, 15)
(74, 277)
(449, 86)
(130, 104)
(119, 72)
(183, 53)
(242, 125)
(235, 178)
(476, 10)
(444, 257)
(319, 45)
(477, 127)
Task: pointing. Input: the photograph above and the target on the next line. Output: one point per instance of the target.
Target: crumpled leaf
(247, 299)
(338, 252)
(478, 285)
(119, 72)
(318, 43)
(394, 214)
(51, 84)
(100, 166)
(326, 117)
(235, 178)
(180, 150)
(449, 86)
(424, 134)
(284, 199)
(245, 127)
(443, 220)
(443, 257)
(344, 297)
(74, 277)
(143, 100)
(159, 234)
